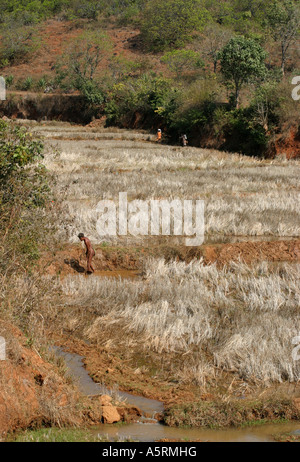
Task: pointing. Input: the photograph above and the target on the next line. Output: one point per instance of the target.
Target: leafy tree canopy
(242, 61)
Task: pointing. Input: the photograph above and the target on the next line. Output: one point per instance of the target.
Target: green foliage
(30, 11)
(9, 80)
(17, 44)
(42, 83)
(242, 61)
(243, 16)
(266, 105)
(243, 133)
(283, 19)
(196, 107)
(121, 69)
(171, 23)
(17, 150)
(93, 94)
(24, 192)
(147, 95)
(125, 10)
(181, 61)
(25, 85)
(86, 9)
(273, 106)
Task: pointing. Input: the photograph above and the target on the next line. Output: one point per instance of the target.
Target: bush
(149, 95)
(86, 9)
(9, 80)
(24, 192)
(243, 133)
(42, 83)
(181, 61)
(30, 11)
(24, 85)
(171, 23)
(17, 44)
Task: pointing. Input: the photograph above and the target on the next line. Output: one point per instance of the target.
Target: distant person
(159, 135)
(183, 140)
(90, 252)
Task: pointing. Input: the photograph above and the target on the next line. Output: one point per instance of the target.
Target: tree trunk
(237, 97)
(283, 57)
(215, 65)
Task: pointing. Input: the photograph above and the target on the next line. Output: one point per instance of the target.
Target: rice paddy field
(180, 331)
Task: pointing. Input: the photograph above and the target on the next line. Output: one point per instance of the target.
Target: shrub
(86, 9)
(9, 80)
(25, 85)
(148, 95)
(42, 83)
(24, 192)
(243, 133)
(181, 61)
(171, 23)
(273, 105)
(17, 44)
(30, 11)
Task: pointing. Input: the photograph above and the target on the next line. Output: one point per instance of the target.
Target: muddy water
(119, 273)
(149, 432)
(88, 387)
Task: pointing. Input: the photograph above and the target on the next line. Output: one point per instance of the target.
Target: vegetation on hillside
(24, 194)
(227, 65)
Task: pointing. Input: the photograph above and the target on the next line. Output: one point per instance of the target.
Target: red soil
(28, 385)
(55, 37)
(127, 262)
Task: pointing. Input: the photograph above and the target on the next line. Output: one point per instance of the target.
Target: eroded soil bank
(35, 392)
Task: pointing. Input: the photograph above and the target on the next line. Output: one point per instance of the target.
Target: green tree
(283, 18)
(242, 61)
(180, 61)
(171, 23)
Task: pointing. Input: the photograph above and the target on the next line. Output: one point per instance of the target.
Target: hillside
(149, 279)
(185, 68)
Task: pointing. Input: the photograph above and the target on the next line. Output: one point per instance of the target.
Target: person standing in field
(90, 252)
(159, 135)
(183, 140)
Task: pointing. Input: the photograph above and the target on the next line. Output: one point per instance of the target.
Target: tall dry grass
(238, 318)
(243, 196)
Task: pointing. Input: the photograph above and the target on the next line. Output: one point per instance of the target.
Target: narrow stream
(150, 432)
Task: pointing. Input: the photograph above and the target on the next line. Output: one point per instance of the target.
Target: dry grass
(240, 319)
(243, 318)
(243, 196)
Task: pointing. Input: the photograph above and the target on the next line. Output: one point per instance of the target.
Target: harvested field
(184, 325)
